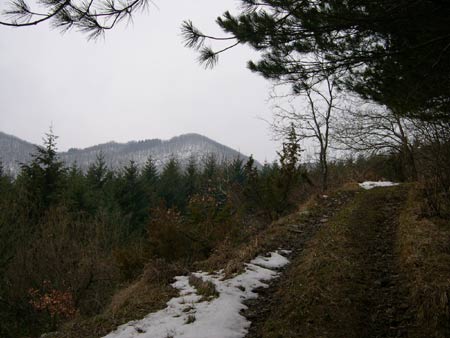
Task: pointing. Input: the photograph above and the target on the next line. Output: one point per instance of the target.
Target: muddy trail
(384, 297)
(361, 293)
(301, 233)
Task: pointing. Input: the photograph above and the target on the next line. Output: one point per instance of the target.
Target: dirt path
(260, 309)
(346, 283)
(384, 297)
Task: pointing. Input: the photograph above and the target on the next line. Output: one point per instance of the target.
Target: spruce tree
(251, 189)
(149, 173)
(98, 172)
(289, 156)
(77, 190)
(5, 183)
(289, 172)
(235, 171)
(210, 171)
(191, 178)
(149, 179)
(131, 197)
(44, 175)
(171, 180)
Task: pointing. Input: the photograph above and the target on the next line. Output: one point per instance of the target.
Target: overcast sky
(139, 82)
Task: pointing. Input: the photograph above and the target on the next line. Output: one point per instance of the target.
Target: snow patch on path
(188, 316)
(374, 184)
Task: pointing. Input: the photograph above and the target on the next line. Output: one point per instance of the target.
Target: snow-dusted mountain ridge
(14, 151)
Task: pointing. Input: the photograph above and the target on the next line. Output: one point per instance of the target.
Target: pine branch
(92, 17)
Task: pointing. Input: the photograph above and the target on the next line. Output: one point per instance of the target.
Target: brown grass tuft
(204, 288)
(190, 319)
(313, 296)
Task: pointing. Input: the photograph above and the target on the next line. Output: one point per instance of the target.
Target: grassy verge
(424, 254)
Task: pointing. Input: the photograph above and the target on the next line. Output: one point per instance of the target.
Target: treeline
(68, 239)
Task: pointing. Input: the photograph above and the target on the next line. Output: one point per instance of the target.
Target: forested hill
(14, 151)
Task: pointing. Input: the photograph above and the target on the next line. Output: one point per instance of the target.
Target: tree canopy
(395, 53)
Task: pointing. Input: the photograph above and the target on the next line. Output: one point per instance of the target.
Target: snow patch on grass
(274, 261)
(374, 184)
(218, 318)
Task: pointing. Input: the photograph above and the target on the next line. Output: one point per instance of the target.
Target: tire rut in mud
(373, 290)
(259, 309)
(384, 306)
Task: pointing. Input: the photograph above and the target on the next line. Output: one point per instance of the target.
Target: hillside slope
(182, 148)
(14, 151)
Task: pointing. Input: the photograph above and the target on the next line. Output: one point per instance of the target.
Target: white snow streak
(218, 318)
(373, 184)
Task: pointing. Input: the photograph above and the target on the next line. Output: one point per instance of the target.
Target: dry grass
(312, 298)
(150, 291)
(190, 319)
(323, 291)
(231, 256)
(350, 186)
(147, 294)
(204, 288)
(424, 254)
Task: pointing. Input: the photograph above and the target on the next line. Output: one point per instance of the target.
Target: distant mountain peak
(14, 151)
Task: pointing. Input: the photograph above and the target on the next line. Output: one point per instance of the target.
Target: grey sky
(139, 82)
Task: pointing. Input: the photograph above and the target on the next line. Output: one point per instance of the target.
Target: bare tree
(314, 120)
(90, 16)
(371, 129)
